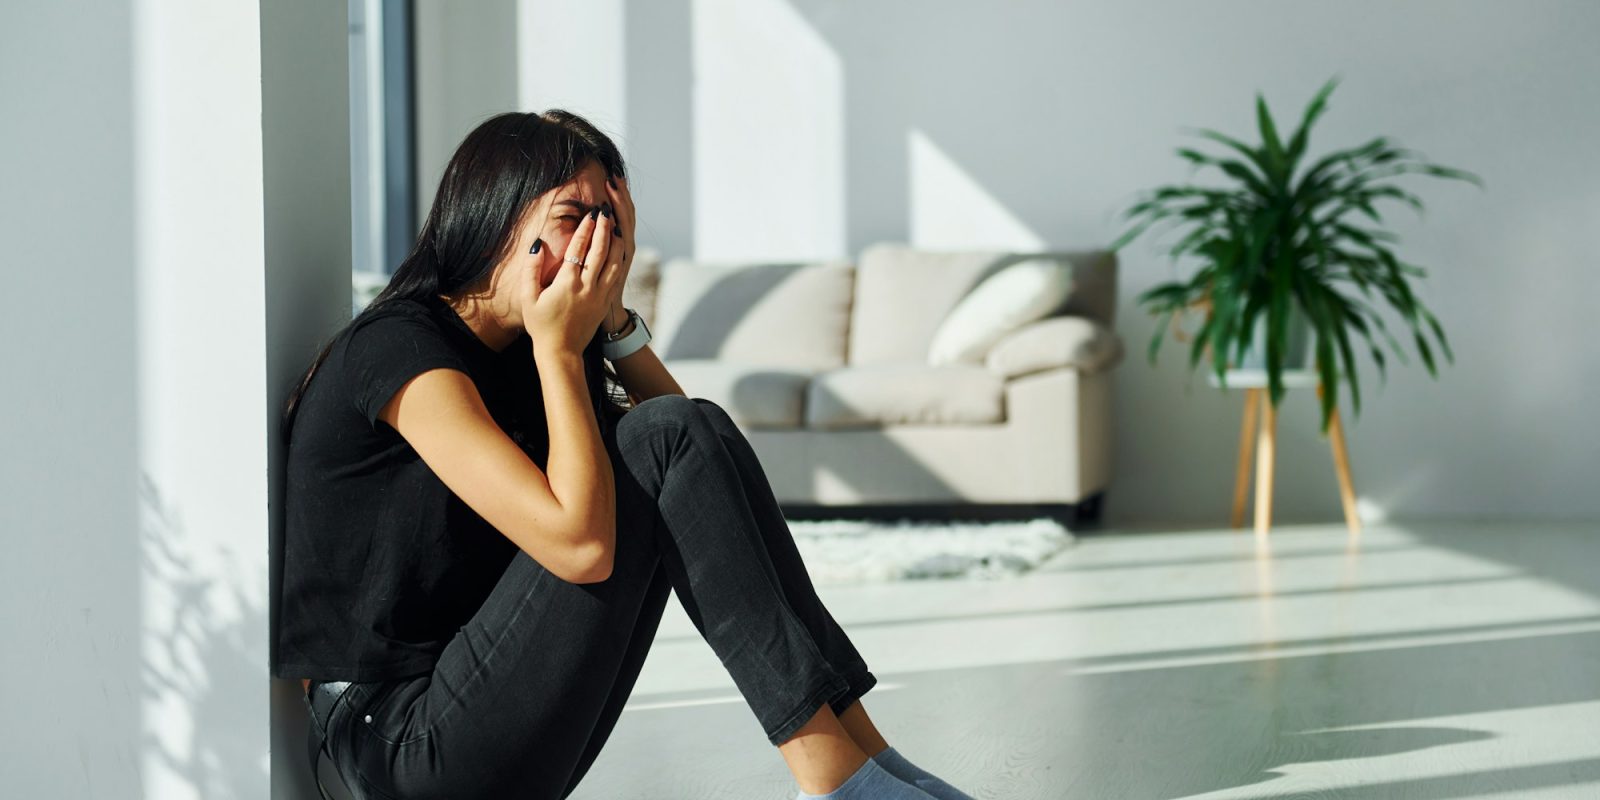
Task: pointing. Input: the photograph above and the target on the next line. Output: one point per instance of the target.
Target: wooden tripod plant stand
(1254, 382)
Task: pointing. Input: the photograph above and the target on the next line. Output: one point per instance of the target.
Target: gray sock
(871, 782)
(898, 766)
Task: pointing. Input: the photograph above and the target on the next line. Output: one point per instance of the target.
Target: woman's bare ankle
(821, 755)
(866, 736)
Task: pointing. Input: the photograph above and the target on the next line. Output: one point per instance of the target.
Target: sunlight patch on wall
(768, 134)
(950, 209)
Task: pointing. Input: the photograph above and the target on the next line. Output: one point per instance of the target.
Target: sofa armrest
(1060, 341)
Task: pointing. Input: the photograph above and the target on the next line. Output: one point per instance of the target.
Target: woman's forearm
(644, 376)
(641, 373)
(578, 466)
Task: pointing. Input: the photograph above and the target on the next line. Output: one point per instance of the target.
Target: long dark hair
(496, 174)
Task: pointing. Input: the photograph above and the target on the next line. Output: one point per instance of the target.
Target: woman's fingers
(619, 187)
(622, 201)
(599, 245)
(578, 245)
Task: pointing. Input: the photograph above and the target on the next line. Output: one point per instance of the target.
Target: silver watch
(638, 335)
(627, 325)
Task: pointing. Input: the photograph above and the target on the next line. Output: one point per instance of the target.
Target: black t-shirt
(382, 562)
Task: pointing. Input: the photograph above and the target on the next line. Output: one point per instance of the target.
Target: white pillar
(177, 216)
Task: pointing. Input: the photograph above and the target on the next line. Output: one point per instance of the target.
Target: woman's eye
(568, 216)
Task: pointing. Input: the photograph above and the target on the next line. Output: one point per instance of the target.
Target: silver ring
(571, 260)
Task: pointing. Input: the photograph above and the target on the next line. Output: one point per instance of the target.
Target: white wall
(69, 428)
(801, 128)
(177, 223)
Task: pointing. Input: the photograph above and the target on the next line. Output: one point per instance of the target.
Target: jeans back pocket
(387, 710)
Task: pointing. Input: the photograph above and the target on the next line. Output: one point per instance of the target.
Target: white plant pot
(1297, 343)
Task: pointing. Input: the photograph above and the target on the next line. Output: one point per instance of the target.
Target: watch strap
(634, 340)
(627, 325)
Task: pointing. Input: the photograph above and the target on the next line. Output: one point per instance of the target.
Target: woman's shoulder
(391, 343)
(399, 330)
(397, 307)
(402, 317)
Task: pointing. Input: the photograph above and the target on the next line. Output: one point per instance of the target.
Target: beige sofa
(825, 367)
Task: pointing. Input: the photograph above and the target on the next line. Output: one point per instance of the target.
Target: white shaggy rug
(840, 551)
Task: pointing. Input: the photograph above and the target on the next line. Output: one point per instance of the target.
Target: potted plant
(1280, 256)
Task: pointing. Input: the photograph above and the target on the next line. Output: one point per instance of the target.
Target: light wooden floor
(1436, 660)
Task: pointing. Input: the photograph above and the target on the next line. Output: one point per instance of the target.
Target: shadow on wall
(204, 648)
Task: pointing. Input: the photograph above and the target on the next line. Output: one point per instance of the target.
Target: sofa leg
(1086, 513)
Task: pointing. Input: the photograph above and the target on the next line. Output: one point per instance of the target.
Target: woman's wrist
(557, 358)
(616, 320)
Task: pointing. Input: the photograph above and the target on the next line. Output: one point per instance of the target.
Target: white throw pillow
(1010, 298)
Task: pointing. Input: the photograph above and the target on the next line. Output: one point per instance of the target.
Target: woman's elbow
(592, 563)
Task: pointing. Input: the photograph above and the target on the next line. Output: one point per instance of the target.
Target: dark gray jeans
(521, 701)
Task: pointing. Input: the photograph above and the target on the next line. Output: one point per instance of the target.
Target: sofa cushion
(792, 316)
(903, 293)
(1005, 301)
(901, 296)
(1077, 342)
(754, 396)
(905, 393)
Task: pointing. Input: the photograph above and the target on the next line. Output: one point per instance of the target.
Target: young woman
(481, 534)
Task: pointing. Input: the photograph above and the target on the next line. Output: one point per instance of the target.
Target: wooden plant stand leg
(1341, 464)
(1247, 432)
(1264, 453)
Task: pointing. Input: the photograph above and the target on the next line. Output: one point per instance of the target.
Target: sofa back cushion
(793, 315)
(903, 294)
(644, 277)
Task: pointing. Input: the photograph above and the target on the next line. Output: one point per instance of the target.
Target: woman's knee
(663, 408)
(717, 414)
(662, 412)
